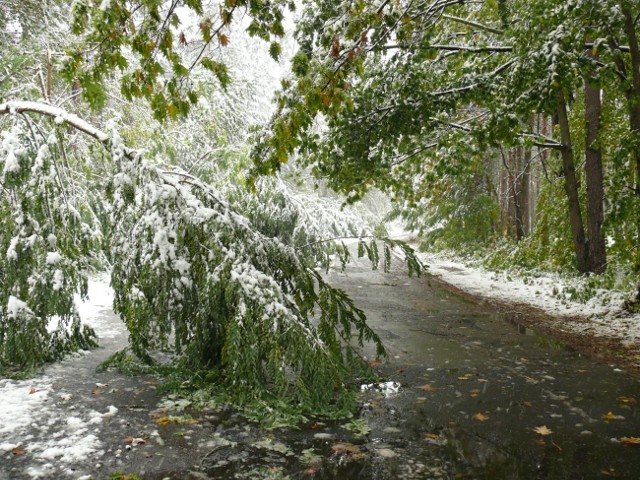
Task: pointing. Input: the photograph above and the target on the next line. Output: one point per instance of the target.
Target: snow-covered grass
(39, 418)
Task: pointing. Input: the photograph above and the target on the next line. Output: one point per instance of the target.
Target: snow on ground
(550, 293)
(601, 316)
(43, 421)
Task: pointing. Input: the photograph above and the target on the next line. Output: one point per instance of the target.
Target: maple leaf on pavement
(543, 430)
(631, 440)
(612, 416)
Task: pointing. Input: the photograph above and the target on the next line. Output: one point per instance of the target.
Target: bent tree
(189, 272)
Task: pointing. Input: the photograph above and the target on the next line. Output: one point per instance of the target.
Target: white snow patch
(15, 306)
(546, 292)
(57, 433)
(53, 258)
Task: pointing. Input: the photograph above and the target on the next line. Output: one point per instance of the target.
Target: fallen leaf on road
(527, 403)
(97, 391)
(102, 385)
(483, 380)
(163, 421)
(427, 387)
(351, 451)
(612, 416)
(32, 391)
(375, 362)
(480, 417)
(435, 439)
(134, 441)
(631, 440)
(475, 392)
(167, 419)
(543, 430)
(626, 399)
(18, 451)
(466, 376)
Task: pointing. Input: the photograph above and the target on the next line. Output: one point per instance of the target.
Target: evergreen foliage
(49, 240)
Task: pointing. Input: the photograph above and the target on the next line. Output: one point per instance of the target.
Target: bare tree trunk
(595, 188)
(571, 188)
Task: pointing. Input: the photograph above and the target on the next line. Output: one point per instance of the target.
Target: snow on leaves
(46, 234)
(186, 263)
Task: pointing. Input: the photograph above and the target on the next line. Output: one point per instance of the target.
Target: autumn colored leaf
(475, 392)
(352, 452)
(631, 440)
(626, 399)
(163, 421)
(223, 39)
(183, 39)
(480, 417)
(335, 48)
(345, 448)
(134, 441)
(543, 430)
(428, 387)
(612, 416)
(32, 391)
(18, 451)
(375, 362)
(97, 391)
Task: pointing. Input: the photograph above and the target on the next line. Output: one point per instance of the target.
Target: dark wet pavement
(475, 388)
(470, 392)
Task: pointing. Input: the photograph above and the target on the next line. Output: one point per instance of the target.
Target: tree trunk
(571, 188)
(525, 192)
(525, 185)
(595, 188)
(515, 155)
(634, 91)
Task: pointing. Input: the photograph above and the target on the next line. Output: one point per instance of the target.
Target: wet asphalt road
(471, 391)
(475, 389)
